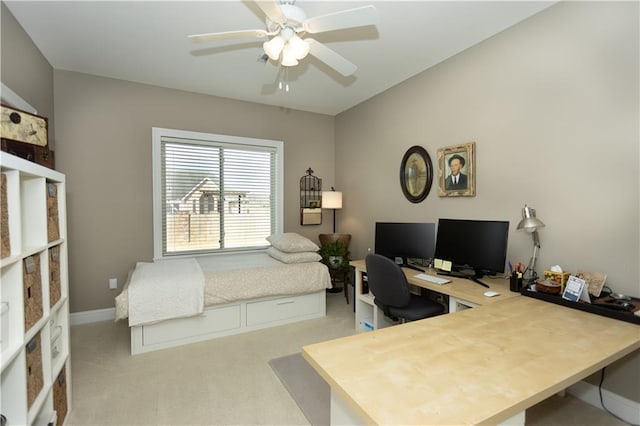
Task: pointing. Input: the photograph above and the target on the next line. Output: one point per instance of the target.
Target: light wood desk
(462, 294)
(481, 365)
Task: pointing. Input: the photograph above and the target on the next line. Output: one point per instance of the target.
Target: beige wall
(104, 148)
(552, 105)
(24, 70)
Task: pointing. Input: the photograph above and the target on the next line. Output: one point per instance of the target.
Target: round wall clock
(416, 174)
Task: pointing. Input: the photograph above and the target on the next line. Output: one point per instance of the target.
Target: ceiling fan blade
(357, 17)
(200, 38)
(272, 9)
(331, 58)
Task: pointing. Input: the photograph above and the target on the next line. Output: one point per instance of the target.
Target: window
(214, 193)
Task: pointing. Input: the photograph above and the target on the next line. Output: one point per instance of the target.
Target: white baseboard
(622, 407)
(85, 317)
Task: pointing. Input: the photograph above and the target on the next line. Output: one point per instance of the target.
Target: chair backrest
(387, 282)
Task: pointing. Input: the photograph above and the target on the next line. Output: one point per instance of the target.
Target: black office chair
(391, 293)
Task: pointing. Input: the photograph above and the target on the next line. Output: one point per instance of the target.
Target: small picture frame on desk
(576, 289)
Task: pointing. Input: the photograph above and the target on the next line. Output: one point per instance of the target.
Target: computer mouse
(491, 293)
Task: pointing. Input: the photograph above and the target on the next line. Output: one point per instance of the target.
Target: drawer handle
(288, 302)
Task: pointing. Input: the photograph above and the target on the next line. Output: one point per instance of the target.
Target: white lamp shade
(332, 200)
(273, 47)
(298, 46)
(288, 57)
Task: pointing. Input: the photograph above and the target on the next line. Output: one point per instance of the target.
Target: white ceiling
(146, 41)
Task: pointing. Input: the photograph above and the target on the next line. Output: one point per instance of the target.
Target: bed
(175, 302)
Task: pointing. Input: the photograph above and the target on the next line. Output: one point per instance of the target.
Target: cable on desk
(602, 401)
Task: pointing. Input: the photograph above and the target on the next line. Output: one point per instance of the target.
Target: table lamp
(530, 223)
(332, 200)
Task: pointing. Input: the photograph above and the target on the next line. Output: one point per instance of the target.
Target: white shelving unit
(34, 326)
(368, 315)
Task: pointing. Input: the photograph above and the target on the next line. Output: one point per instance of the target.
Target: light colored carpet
(227, 381)
(305, 386)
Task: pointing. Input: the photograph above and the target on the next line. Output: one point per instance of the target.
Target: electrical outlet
(113, 283)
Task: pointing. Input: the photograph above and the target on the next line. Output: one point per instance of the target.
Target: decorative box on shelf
(25, 135)
(24, 127)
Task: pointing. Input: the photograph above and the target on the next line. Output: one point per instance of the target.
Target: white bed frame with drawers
(228, 319)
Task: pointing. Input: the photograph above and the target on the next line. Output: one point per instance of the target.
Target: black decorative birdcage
(310, 191)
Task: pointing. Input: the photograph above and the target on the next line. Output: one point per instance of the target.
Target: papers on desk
(432, 279)
(445, 265)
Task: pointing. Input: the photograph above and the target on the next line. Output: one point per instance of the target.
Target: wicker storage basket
(32, 290)
(35, 380)
(53, 227)
(5, 247)
(60, 397)
(55, 290)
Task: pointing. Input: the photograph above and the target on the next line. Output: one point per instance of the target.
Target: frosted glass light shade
(273, 47)
(298, 46)
(332, 200)
(288, 57)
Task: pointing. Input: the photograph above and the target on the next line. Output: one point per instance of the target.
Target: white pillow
(290, 242)
(301, 257)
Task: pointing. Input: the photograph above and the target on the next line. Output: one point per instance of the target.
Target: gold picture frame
(456, 171)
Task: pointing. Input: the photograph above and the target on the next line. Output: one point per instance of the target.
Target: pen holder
(515, 283)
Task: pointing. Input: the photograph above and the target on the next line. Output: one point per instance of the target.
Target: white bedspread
(233, 277)
(165, 289)
(251, 283)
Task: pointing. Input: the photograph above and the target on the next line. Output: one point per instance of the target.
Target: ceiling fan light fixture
(299, 47)
(273, 47)
(284, 21)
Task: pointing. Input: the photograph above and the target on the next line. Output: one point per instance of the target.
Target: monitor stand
(415, 268)
(475, 277)
(404, 263)
(477, 281)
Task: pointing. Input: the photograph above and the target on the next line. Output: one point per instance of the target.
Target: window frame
(157, 133)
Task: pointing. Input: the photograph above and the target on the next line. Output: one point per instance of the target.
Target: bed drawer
(213, 320)
(283, 308)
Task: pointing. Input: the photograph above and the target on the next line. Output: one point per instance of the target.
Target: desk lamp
(332, 200)
(530, 223)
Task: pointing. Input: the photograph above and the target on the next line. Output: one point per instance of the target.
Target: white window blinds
(217, 193)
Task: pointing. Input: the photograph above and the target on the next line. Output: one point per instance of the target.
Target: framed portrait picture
(456, 171)
(416, 174)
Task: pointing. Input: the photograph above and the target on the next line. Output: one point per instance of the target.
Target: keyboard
(432, 279)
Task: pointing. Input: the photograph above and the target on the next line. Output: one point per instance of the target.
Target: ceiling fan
(288, 25)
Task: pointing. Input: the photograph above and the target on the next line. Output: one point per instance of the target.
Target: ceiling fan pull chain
(284, 80)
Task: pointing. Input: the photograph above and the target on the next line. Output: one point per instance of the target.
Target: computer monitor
(403, 241)
(475, 247)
